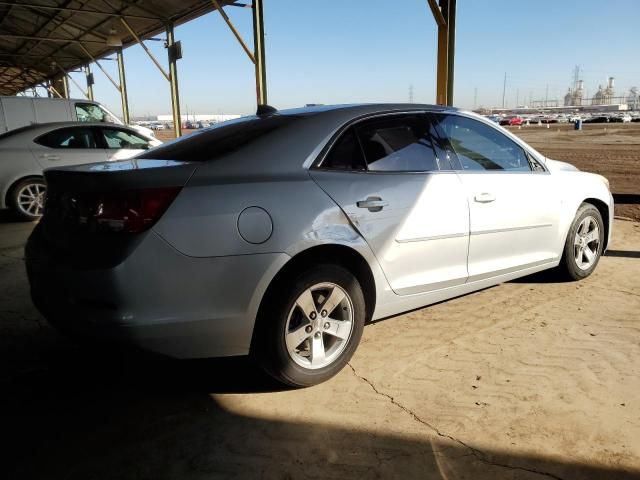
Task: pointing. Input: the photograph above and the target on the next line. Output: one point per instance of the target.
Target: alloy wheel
(586, 244)
(30, 199)
(319, 325)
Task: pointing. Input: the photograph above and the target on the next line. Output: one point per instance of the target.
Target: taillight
(129, 211)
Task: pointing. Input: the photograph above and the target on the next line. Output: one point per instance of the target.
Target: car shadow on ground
(626, 198)
(622, 253)
(87, 414)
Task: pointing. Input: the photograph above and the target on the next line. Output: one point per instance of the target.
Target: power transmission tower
(475, 97)
(504, 88)
(410, 93)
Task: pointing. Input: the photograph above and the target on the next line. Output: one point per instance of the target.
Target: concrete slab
(530, 379)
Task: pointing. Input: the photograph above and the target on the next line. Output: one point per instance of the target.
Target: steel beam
(259, 53)
(123, 87)
(65, 86)
(443, 53)
(100, 67)
(235, 32)
(151, 56)
(67, 77)
(77, 10)
(48, 39)
(87, 73)
(451, 49)
(173, 80)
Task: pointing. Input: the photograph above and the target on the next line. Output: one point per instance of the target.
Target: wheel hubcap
(319, 325)
(31, 199)
(586, 244)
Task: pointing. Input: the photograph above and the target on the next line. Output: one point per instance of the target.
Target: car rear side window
(346, 153)
(482, 147)
(398, 143)
(119, 139)
(73, 137)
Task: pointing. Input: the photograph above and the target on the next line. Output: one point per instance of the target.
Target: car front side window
(120, 139)
(481, 147)
(88, 112)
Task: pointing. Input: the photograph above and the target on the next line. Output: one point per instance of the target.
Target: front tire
(27, 198)
(584, 244)
(310, 326)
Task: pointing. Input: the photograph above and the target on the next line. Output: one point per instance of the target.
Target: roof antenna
(265, 110)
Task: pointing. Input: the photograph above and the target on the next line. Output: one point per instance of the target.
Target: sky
(349, 51)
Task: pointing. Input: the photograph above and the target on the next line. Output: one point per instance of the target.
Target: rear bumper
(157, 298)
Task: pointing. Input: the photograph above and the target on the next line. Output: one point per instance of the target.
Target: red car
(515, 120)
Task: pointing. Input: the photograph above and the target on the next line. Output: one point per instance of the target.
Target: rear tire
(584, 244)
(310, 325)
(27, 198)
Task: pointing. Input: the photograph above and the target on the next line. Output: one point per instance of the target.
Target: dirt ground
(612, 150)
(531, 379)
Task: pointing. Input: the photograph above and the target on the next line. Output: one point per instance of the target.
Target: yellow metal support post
(173, 80)
(123, 87)
(443, 52)
(89, 75)
(258, 53)
(451, 49)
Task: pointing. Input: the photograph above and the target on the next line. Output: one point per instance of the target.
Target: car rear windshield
(210, 143)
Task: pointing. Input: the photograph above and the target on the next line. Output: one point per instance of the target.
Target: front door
(407, 203)
(514, 208)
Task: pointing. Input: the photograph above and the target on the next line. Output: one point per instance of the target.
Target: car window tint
(481, 147)
(119, 139)
(398, 144)
(74, 137)
(210, 143)
(345, 154)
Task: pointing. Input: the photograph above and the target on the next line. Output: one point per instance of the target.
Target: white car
(280, 235)
(25, 152)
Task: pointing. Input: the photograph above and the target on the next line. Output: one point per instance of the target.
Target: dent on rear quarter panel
(203, 220)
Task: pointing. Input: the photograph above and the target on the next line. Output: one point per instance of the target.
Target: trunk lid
(74, 230)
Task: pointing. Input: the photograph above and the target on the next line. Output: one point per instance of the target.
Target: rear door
(121, 144)
(514, 205)
(68, 146)
(404, 199)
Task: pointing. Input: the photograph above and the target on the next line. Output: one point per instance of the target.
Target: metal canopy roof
(36, 33)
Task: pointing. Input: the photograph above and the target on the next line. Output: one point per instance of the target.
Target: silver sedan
(281, 235)
(25, 152)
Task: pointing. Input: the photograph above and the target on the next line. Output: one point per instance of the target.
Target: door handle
(373, 204)
(484, 197)
(50, 156)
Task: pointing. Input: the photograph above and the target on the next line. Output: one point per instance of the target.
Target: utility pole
(410, 93)
(517, 97)
(546, 97)
(475, 97)
(504, 88)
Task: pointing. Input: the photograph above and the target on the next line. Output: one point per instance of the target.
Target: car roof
(364, 108)
(41, 128)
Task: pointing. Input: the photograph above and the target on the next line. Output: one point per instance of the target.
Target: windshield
(90, 112)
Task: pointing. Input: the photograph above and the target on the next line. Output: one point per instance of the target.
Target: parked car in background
(280, 235)
(16, 112)
(25, 152)
(597, 119)
(516, 121)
